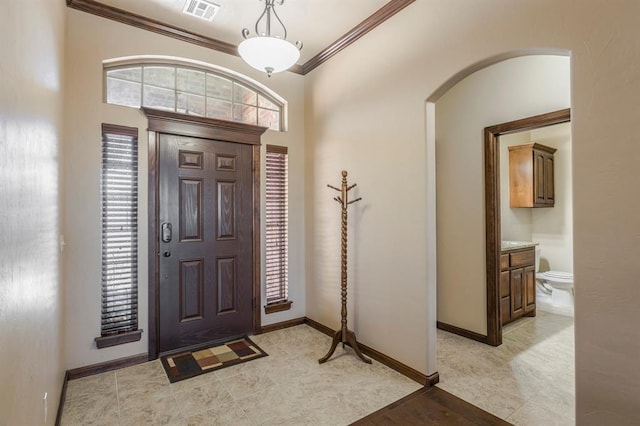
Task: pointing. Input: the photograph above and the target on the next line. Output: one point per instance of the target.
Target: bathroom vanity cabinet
(517, 284)
(531, 182)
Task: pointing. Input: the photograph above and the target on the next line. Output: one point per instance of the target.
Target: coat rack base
(349, 339)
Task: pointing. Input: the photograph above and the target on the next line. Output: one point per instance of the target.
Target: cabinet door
(517, 293)
(529, 289)
(504, 284)
(505, 309)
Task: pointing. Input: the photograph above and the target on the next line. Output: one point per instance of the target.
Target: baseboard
(103, 367)
(63, 397)
(461, 332)
(281, 325)
(433, 379)
(392, 363)
(320, 327)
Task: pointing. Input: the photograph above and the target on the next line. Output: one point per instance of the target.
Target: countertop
(516, 245)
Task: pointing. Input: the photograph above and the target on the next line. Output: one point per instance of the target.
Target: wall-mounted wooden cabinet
(531, 176)
(517, 284)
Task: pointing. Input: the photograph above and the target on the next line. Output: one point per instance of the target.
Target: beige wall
(31, 291)
(90, 40)
(365, 111)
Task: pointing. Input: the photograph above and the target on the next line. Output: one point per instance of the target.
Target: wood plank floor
(430, 406)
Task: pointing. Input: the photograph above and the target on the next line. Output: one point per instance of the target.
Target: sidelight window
(277, 287)
(193, 91)
(119, 189)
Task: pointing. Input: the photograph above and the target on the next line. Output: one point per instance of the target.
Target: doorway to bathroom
(529, 378)
(546, 226)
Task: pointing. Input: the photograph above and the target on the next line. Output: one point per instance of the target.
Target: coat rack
(344, 335)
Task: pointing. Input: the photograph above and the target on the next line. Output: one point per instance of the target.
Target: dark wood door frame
(206, 128)
(492, 207)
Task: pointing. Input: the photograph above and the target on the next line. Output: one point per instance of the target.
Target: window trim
(132, 334)
(284, 303)
(170, 61)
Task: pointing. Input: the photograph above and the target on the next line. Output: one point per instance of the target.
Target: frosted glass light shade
(268, 54)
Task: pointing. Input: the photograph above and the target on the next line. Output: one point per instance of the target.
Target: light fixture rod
(268, 9)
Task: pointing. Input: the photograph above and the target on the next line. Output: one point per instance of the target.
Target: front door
(206, 241)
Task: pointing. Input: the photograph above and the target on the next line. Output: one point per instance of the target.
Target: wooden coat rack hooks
(344, 335)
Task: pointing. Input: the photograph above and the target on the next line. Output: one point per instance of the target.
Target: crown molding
(119, 15)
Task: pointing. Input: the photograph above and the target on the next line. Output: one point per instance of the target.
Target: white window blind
(276, 224)
(119, 230)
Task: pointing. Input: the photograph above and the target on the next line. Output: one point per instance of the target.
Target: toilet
(554, 289)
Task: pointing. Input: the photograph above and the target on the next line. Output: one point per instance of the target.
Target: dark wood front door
(205, 242)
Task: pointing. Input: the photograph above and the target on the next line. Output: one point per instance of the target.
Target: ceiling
(317, 23)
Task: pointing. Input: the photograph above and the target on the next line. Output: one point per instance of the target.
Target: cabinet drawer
(523, 258)
(504, 262)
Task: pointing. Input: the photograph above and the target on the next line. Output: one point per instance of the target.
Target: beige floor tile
(534, 367)
(143, 397)
(225, 413)
(98, 409)
(271, 405)
(143, 383)
(288, 387)
(202, 398)
(535, 414)
(203, 379)
(104, 384)
(244, 384)
(152, 408)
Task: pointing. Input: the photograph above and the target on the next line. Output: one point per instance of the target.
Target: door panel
(227, 285)
(505, 309)
(191, 289)
(517, 297)
(549, 179)
(538, 176)
(206, 269)
(530, 289)
(226, 210)
(190, 202)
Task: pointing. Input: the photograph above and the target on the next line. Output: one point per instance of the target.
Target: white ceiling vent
(201, 9)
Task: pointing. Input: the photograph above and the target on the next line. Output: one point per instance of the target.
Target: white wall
(91, 40)
(31, 291)
(509, 90)
(365, 111)
(552, 228)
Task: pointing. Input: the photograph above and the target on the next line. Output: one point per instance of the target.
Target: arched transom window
(191, 90)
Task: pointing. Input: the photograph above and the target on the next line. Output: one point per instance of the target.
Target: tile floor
(528, 380)
(288, 387)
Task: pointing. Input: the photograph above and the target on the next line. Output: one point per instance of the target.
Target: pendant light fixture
(267, 52)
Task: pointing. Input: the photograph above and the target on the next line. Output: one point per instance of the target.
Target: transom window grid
(119, 231)
(277, 259)
(190, 91)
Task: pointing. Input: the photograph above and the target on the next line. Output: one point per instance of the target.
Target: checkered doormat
(204, 359)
